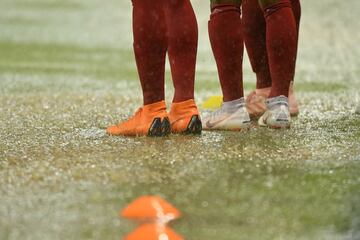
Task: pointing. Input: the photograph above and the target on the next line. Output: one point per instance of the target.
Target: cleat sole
(195, 126)
(165, 127)
(159, 128)
(155, 128)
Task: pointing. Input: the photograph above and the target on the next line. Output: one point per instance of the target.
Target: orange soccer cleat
(185, 118)
(149, 120)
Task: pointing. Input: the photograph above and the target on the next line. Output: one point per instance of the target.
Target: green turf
(67, 72)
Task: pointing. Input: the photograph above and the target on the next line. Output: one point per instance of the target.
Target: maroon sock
(150, 45)
(254, 29)
(182, 46)
(225, 32)
(254, 26)
(296, 7)
(281, 40)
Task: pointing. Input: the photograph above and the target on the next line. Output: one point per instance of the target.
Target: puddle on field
(62, 171)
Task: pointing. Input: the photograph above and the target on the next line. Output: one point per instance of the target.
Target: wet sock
(254, 26)
(225, 32)
(296, 7)
(254, 29)
(150, 45)
(182, 46)
(281, 39)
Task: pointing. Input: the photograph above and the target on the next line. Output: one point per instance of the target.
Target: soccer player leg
(281, 41)
(254, 26)
(150, 45)
(182, 33)
(293, 105)
(225, 32)
(254, 30)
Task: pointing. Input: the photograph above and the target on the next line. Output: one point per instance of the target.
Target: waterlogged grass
(102, 63)
(62, 177)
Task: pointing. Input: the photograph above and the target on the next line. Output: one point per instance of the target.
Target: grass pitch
(67, 72)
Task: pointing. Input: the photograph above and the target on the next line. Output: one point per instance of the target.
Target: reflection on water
(155, 214)
(153, 232)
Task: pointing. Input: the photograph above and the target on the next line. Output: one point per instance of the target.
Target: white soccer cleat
(233, 118)
(277, 114)
(256, 102)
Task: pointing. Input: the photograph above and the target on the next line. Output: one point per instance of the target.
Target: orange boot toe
(185, 118)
